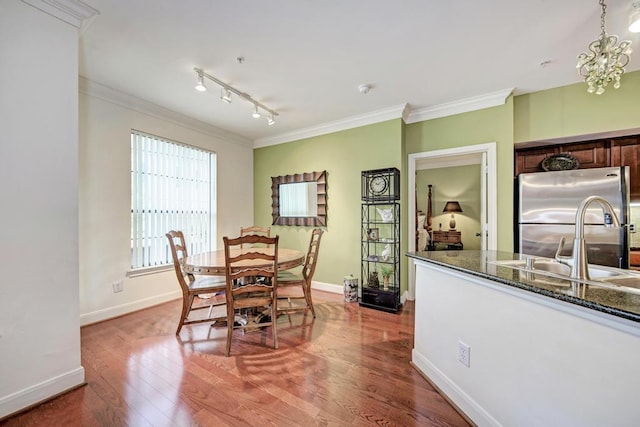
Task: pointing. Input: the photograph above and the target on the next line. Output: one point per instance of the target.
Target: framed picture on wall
(372, 234)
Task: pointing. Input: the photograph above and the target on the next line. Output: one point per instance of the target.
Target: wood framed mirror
(299, 199)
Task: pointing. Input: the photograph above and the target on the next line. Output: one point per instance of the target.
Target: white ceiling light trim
(466, 105)
(335, 126)
(70, 11)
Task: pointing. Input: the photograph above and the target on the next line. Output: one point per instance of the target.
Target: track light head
(256, 113)
(225, 95)
(271, 120)
(200, 87)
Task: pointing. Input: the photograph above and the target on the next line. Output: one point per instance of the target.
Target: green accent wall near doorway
(343, 155)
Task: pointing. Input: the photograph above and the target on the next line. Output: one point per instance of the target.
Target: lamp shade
(452, 206)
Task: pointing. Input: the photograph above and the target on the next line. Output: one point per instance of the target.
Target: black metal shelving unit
(380, 240)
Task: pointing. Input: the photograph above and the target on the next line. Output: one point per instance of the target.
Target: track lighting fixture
(225, 95)
(227, 90)
(200, 83)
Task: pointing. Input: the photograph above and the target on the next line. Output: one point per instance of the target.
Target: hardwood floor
(349, 366)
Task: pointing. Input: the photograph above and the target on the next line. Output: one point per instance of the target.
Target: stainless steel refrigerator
(547, 206)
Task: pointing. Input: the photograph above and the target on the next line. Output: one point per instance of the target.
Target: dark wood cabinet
(625, 152)
(452, 238)
(530, 160)
(621, 151)
(589, 154)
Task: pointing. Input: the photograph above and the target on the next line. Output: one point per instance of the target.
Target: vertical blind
(171, 189)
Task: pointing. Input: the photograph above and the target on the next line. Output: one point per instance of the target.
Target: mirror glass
(299, 199)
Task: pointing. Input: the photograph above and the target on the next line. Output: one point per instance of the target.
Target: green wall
(570, 111)
(561, 112)
(343, 155)
(460, 183)
(477, 127)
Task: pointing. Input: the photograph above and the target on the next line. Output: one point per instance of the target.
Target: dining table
(213, 263)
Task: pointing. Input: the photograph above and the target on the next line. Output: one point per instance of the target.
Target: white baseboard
(327, 287)
(40, 392)
(404, 297)
(338, 289)
(455, 394)
(119, 310)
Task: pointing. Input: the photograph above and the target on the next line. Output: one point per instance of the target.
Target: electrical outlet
(117, 286)
(464, 354)
(632, 228)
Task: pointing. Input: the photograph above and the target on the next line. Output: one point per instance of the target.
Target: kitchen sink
(629, 282)
(548, 265)
(547, 271)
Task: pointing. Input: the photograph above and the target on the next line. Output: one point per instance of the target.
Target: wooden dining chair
(192, 286)
(254, 229)
(288, 280)
(251, 282)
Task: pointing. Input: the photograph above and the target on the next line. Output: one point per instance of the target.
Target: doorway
(480, 154)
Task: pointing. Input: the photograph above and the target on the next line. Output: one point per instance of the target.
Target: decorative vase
(385, 214)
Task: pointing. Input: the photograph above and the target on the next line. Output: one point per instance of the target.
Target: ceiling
(305, 59)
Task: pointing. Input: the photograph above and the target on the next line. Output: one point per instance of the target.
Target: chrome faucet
(578, 259)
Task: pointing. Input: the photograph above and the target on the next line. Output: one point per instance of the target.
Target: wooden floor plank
(348, 366)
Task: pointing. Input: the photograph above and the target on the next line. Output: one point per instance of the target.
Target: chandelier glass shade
(605, 61)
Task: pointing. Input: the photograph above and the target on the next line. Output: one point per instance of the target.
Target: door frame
(483, 154)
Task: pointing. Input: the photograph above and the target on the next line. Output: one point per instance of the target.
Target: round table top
(212, 263)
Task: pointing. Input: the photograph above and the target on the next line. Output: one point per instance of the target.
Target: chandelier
(605, 61)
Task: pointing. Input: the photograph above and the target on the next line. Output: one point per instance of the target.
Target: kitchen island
(538, 353)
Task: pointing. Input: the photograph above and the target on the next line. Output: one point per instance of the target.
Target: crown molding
(492, 99)
(70, 11)
(403, 111)
(377, 116)
(100, 91)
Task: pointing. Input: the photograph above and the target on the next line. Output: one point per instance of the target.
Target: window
(172, 188)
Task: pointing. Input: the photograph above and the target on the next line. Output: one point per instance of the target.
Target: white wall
(535, 361)
(39, 322)
(106, 120)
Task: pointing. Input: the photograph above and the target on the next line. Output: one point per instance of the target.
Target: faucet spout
(578, 261)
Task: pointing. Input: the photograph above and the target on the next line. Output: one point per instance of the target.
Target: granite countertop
(615, 302)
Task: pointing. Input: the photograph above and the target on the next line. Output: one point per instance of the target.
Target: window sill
(149, 270)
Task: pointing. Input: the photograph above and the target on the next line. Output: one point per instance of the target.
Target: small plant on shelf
(386, 271)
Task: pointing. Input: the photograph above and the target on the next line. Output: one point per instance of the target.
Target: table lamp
(451, 207)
